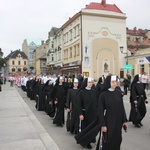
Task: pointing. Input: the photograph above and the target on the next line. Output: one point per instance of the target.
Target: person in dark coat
(39, 103)
(137, 100)
(87, 106)
(47, 95)
(80, 79)
(111, 114)
(129, 80)
(28, 86)
(73, 119)
(125, 85)
(59, 94)
(99, 85)
(1, 83)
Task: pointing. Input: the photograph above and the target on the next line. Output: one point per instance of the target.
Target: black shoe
(138, 126)
(59, 125)
(89, 146)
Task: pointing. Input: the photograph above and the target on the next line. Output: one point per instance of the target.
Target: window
(141, 69)
(86, 49)
(77, 30)
(74, 51)
(70, 35)
(24, 62)
(52, 58)
(128, 38)
(74, 32)
(13, 62)
(70, 52)
(59, 55)
(137, 39)
(86, 61)
(18, 62)
(67, 37)
(78, 50)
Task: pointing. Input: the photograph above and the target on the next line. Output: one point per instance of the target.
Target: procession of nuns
(95, 113)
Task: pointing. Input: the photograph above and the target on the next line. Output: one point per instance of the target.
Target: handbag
(68, 122)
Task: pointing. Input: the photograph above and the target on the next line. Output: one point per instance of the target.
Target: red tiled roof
(132, 43)
(107, 7)
(145, 43)
(133, 50)
(136, 32)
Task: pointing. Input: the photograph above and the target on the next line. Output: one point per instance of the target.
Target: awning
(70, 67)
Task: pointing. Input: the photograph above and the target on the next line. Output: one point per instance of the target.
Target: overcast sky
(21, 19)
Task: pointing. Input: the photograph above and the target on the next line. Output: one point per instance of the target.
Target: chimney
(103, 3)
(42, 42)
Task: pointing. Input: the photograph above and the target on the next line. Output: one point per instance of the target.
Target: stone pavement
(19, 128)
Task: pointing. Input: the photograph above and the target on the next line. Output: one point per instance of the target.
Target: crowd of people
(92, 109)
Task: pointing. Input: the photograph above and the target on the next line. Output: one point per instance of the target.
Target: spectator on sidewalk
(1, 83)
(125, 85)
(11, 81)
(129, 80)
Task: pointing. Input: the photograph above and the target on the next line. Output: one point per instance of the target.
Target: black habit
(111, 114)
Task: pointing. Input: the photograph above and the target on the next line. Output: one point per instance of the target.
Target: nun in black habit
(112, 116)
(59, 94)
(72, 117)
(47, 93)
(87, 110)
(137, 100)
(40, 96)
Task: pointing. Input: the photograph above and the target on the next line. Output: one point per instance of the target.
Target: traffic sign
(127, 67)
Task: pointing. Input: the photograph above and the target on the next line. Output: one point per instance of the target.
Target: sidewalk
(19, 128)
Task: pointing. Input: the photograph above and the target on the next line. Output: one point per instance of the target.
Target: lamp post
(121, 49)
(4, 81)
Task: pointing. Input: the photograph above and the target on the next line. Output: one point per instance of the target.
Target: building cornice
(108, 15)
(139, 55)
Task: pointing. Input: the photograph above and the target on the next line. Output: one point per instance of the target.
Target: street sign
(127, 67)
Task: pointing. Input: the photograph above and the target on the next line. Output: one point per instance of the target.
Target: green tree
(2, 62)
(1, 53)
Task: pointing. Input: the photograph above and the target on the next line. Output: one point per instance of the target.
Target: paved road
(19, 128)
(134, 139)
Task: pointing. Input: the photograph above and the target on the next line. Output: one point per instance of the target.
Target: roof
(43, 56)
(106, 7)
(15, 53)
(37, 42)
(136, 32)
(95, 6)
(53, 31)
(133, 50)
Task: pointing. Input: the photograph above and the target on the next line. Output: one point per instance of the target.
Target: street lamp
(121, 49)
(4, 81)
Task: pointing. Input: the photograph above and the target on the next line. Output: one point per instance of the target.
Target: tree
(1, 53)
(2, 62)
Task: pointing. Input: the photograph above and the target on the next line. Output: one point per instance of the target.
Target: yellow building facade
(140, 62)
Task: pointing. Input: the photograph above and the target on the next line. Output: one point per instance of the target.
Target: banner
(143, 60)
